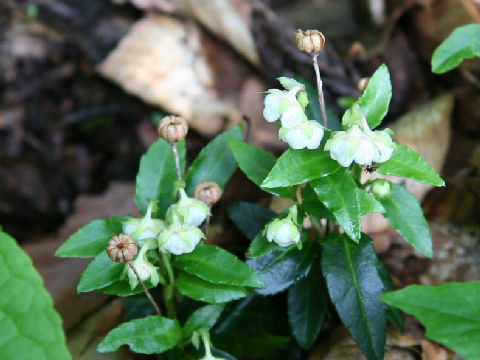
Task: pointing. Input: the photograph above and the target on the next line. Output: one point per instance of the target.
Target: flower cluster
(288, 106)
(284, 232)
(178, 234)
(358, 143)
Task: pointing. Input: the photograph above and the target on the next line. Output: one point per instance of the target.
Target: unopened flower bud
(309, 41)
(362, 83)
(144, 269)
(180, 239)
(173, 128)
(283, 232)
(381, 188)
(144, 228)
(122, 248)
(189, 210)
(209, 192)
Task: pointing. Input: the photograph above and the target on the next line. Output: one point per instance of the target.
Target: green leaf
(299, 166)
(313, 206)
(201, 290)
(368, 203)
(281, 268)
(202, 318)
(156, 177)
(260, 246)
(215, 162)
(340, 194)
(122, 288)
(313, 110)
(376, 98)
(91, 239)
(463, 43)
(394, 315)
(354, 286)
(216, 265)
(30, 328)
(307, 305)
(101, 272)
(405, 214)
(249, 218)
(450, 312)
(149, 335)
(256, 164)
(407, 163)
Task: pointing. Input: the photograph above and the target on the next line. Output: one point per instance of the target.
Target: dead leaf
(433, 351)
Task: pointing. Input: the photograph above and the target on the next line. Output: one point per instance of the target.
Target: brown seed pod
(362, 83)
(173, 128)
(122, 248)
(209, 192)
(309, 41)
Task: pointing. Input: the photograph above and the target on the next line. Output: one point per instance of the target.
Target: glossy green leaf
(202, 318)
(122, 288)
(250, 218)
(340, 194)
(354, 286)
(407, 163)
(101, 272)
(368, 203)
(216, 265)
(313, 110)
(307, 306)
(30, 327)
(281, 268)
(462, 43)
(256, 164)
(91, 239)
(313, 206)
(149, 335)
(376, 98)
(260, 246)
(394, 315)
(299, 166)
(450, 312)
(215, 162)
(156, 177)
(405, 214)
(201, 290)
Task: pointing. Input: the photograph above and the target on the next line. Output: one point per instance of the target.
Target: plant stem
(320, 89)
(177, 160)
(168, 291)
(149, 296)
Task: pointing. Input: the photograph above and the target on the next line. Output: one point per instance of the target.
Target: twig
(177, 160)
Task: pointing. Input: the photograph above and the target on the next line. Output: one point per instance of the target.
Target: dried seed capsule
(209, 192)
(362, 83)
(309, 41)
(173, 128)
(122, 248)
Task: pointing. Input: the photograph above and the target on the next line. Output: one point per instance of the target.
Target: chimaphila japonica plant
(315, 250)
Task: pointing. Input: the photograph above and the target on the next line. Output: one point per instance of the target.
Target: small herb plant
(315, 250)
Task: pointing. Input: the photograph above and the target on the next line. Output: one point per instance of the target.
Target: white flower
(191, 211)
(352, 145)
(180, 239)
(306, 135)
(284, 232)
(384, 146)
(144, 228)
(144, 269)
(285, 106)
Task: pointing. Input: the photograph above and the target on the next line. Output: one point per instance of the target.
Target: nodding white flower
(190, 210)
(179, 239)
(351, 145)
(144, 269)
(305, 135)
(144, 228)
(381, 188)
(284, 105)
(384, 146)
(284, 232)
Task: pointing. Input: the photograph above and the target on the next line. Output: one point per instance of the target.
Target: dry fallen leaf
(161, 61)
